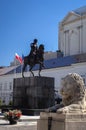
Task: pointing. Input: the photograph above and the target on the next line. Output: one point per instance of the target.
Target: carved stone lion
(73, 94)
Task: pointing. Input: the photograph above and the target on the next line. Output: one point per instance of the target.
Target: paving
(25, 123)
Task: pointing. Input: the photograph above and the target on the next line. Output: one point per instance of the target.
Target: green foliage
(0, 102)
(10, 103)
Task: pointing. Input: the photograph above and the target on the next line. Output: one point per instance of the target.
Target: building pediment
(70, 17)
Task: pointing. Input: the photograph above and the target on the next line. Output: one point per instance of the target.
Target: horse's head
(41, 47)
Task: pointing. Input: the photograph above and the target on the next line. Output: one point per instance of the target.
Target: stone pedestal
(33, 92)
(54, 121)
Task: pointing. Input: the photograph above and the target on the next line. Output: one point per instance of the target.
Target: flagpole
(15, 70)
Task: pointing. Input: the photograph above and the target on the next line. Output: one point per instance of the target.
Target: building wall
(6, 88)
(83, 35)
(50, 55)
(57, 73)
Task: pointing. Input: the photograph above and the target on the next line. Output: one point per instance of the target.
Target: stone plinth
(33, 92)
(76, 121)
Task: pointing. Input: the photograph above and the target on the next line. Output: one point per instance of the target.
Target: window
(5, 86)
(10, 85)
(0, 86)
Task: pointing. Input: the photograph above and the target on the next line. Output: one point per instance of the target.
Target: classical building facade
(72, 31)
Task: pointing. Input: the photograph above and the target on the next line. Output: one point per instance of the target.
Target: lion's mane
(73, 92)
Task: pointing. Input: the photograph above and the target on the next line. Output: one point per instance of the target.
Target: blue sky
(23, 20)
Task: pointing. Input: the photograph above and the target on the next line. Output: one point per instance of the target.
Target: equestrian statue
(36, 56)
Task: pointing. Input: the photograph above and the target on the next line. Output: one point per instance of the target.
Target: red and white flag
(18, 58)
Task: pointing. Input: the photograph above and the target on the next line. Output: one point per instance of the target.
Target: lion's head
(73, 90)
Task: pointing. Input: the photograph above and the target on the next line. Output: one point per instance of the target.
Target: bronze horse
(31, 61)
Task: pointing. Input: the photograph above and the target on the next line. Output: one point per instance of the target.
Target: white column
(80, 38)
(64, 43)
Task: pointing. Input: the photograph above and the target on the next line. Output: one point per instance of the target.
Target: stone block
(33, 92)
(62, 121)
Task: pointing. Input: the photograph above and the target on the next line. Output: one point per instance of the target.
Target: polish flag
(18, 58)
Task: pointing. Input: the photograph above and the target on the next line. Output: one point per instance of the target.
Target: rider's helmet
(35, 40)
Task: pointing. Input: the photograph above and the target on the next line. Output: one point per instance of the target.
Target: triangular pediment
(70, 17)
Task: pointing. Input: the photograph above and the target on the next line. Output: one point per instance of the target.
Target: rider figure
(34, 49)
